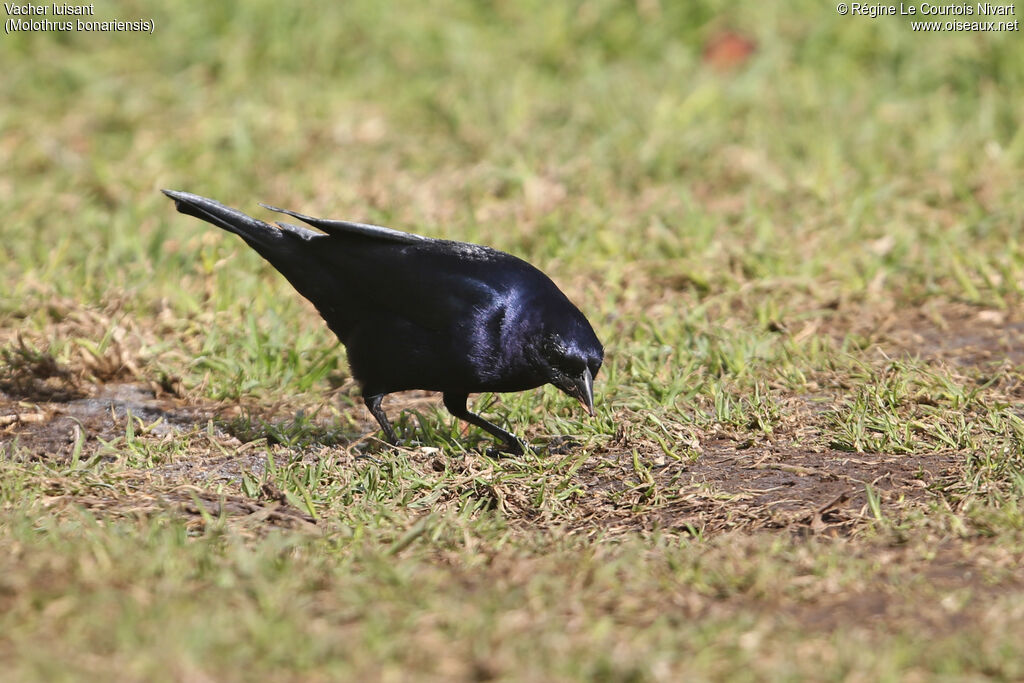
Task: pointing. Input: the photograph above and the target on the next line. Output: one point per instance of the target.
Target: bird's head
(571, 362)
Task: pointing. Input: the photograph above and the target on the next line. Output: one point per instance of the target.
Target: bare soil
(730, 485)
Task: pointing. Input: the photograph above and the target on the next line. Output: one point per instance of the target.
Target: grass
(805, 265)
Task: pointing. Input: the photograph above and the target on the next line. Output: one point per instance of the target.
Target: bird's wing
(334, 227)
(430, 284)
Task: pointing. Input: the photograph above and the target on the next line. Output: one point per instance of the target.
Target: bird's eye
(575, 366)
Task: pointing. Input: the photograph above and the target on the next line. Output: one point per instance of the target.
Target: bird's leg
(456, 405)
(373, 403)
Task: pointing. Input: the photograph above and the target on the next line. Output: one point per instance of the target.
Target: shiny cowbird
(420, 313)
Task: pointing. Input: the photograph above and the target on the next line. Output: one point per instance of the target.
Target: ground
(796, 233)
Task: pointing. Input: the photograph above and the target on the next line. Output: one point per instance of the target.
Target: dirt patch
(781, 485)
(51, 429)
(61, 431)
(29, 374)
(776, 486)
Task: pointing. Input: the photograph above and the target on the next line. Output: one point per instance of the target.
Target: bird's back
(460, 293)
(435, 314)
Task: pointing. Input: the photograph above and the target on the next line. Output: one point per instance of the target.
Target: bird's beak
(584, 390)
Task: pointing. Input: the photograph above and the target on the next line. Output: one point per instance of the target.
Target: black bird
(422, 313)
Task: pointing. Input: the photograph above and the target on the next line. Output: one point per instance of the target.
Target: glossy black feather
(422, 313)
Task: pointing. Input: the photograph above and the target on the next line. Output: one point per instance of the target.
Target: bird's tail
(261, 236)
(291, 249)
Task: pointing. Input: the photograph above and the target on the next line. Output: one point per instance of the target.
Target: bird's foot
(496, 452)
(509, 450)
(560, 445)
(368, 451)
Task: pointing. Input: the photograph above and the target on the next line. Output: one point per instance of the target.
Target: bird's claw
(509, 450)
(560, 445)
